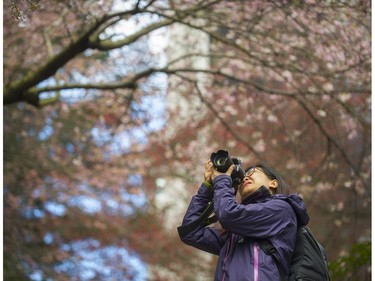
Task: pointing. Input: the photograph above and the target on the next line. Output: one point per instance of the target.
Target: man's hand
(208, 171)
(216, 173)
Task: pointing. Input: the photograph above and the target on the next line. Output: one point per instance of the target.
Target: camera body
(222, 161)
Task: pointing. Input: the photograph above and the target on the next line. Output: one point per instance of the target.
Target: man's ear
(274, 184)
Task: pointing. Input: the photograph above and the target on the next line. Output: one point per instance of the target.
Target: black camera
(222, 161)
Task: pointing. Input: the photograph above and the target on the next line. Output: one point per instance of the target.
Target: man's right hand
(208, 171)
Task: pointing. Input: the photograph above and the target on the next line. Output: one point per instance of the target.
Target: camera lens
(220, 161)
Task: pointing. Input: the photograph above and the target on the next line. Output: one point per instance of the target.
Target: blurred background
(111, 108)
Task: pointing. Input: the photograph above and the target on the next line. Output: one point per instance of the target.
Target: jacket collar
(258, 196)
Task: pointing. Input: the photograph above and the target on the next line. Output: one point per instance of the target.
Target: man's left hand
(216, 173)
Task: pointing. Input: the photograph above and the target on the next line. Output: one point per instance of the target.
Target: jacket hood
(294, 200)
(298, 206)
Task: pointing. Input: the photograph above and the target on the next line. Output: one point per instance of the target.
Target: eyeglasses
(250, 172)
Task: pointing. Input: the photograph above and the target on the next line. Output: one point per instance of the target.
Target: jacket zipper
(229, 250)
(256, 261)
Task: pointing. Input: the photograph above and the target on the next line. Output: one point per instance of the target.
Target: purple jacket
(259, 216)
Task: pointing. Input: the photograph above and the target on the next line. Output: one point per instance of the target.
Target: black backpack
(309, 261)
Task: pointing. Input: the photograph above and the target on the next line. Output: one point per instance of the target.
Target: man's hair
(272, 174)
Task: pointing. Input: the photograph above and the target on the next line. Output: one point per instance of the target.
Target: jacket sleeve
(259, 220)
(204, 238)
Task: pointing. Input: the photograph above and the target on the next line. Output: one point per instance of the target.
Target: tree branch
(131, 83)
(16, 91)
(327, 135)
(106, 45)
(222, 121)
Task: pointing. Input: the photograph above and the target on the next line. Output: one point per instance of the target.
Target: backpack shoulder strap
(269, 249)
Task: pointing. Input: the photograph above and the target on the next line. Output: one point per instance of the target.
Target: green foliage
(354, 266)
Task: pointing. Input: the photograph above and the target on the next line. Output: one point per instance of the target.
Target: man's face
(254, 179)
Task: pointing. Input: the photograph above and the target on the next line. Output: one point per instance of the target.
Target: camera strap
(205, 218)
